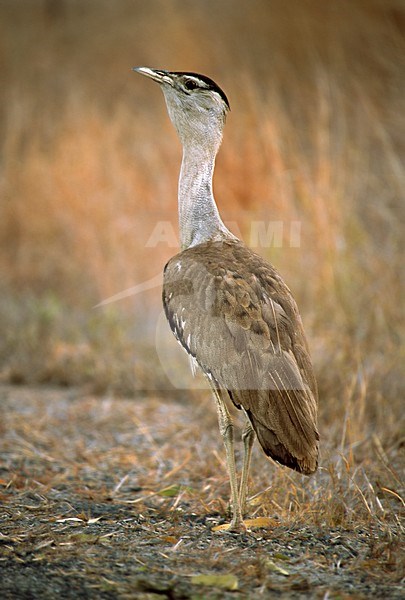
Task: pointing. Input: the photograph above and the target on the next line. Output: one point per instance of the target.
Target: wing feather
(240, 323)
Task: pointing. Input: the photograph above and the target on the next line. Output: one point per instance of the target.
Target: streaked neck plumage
(200, 133)
(199, 219)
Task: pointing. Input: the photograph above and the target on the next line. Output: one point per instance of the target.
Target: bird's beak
(155, 74)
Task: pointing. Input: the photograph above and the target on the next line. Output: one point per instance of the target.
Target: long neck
(199, 218)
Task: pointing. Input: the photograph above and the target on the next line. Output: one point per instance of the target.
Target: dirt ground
(113, 498)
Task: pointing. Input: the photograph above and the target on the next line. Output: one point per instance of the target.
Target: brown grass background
(89, 166)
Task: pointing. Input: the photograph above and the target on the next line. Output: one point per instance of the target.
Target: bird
(229, 308)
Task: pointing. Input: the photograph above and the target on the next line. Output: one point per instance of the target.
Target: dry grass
(89, 166)
(130, 502)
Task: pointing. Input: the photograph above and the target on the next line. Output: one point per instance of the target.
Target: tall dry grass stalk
(89, 166)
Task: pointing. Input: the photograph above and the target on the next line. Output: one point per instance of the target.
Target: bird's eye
(190, 84)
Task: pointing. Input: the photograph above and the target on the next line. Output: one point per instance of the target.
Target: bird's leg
(226, 429)
(248, 437)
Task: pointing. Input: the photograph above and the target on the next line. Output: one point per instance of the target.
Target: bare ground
(116, 498)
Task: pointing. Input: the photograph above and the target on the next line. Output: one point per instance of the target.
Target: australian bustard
(230, 310)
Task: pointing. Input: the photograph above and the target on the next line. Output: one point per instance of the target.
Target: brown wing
(233, 313)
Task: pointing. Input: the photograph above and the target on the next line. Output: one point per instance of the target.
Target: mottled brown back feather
(234, 314)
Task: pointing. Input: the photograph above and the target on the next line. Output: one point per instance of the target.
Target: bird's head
(197, 106)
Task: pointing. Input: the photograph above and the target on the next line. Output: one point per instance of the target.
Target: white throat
(199, 218)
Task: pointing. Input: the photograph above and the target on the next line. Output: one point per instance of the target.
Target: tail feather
(273, 448)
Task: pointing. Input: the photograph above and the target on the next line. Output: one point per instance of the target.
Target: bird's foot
(236, 525)
(232, 527)
(245, 526)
